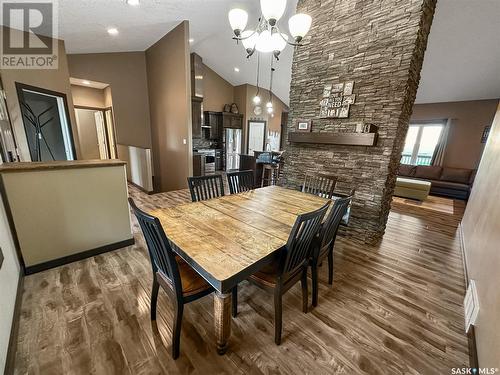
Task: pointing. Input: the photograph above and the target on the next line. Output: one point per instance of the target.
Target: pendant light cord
(258, 70)
(271, 81)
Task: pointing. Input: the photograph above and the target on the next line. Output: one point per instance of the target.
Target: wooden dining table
(227, 239)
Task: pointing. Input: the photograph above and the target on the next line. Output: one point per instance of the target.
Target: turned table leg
(222, 314)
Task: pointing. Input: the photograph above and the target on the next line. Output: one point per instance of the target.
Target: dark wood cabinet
(232, 120)
(196, 111)
(213, 124)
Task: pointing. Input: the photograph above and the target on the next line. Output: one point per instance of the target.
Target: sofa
(445, 181)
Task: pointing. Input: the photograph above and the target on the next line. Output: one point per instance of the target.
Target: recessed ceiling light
(133, 2)
(85, 82)
(236, 69)
(112, 31)
(191, 40)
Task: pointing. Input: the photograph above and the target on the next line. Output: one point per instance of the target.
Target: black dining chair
(240, 181)
(182, 283)
(323, 243)
(322, 185)
(290, 265)
(206, 187)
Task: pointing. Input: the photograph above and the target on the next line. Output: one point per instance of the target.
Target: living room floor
(394, 308)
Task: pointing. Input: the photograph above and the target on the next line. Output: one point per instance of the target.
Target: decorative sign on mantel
(337, 100)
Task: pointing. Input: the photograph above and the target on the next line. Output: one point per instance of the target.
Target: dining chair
(182, 283)
(290, 265)
(322, 185)
(322, 244)
(206, 187)
(240, 181)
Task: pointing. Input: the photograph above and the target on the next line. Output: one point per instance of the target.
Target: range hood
(197, 73)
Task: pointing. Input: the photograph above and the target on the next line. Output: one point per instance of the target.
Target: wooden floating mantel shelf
(352, 139)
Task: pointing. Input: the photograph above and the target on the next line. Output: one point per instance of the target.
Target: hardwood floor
(394, 308)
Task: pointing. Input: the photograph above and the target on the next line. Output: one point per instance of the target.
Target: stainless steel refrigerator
(232, 151)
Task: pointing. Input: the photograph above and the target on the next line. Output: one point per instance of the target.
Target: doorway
(96, 132)
(8, 146)
(46, 123)
(256, 136)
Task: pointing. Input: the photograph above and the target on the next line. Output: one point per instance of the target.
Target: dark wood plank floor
(394, 308)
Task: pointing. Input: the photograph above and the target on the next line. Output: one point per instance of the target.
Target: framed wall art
(304, 125)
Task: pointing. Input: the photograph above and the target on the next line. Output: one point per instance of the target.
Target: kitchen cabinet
(232, 120)
(196, 114)
(213, 122)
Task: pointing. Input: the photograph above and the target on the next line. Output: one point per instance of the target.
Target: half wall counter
(64, 211)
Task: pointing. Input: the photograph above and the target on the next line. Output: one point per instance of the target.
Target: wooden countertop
(51, 165)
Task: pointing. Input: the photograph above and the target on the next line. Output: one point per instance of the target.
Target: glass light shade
(269, 104)
(299, 25)
(265, 42)
(238, 19)
(251, 39)
(269, 109)
(279, 41)
(256, 99)
(272, 9)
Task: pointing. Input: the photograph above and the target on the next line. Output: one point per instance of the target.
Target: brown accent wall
(380, 46)
(468, 120)
(87, 96)
(125, 72)
(217, 91)
(169, 83)
(481, 231)
(49, 79)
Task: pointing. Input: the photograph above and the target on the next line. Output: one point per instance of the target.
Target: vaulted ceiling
(462, 60)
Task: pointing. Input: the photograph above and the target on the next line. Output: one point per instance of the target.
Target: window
(421, 141)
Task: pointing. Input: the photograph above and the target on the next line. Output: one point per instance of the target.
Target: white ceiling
(88, 83)
(83, 24)
(462, 60)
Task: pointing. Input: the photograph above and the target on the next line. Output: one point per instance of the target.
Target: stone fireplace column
(380, 46)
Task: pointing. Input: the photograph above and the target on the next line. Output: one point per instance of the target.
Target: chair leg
(314, 277)
(330, 266)
(154, 297)
(305, 296)
(234, 299)
(176, 334)
(277, 315)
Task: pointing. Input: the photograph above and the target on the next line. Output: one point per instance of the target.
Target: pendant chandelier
(266, 36)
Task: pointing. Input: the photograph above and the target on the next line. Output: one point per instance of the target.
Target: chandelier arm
(286, 40)
(261, 18)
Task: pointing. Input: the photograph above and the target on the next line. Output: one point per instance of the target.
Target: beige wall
(216, 91)
(87, 96)
(86, 207)
(126, 74)
(468, 121)
(49, 79)
(169, 83)
(481, 230)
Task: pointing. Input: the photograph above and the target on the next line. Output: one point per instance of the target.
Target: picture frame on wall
(304, 125)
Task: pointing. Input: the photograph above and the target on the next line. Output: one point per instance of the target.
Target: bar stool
(270, 174)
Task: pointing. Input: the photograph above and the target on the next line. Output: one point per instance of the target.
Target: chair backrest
(205, 187)
(299, 242)
(161, 253)
(319, 184)
(240, 181)
(329, 229)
